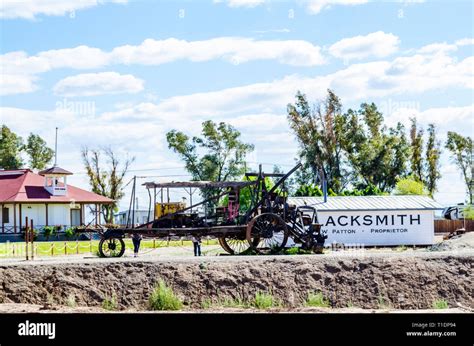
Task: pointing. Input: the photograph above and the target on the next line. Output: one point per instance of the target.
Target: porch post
(19, 210)
(3, 221)
(14, 217)
(80, 213)
(47, 222)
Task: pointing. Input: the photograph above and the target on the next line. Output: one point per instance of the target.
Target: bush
(410, 186)
(317, 300)
(35, 233)
(49, 231)
(163, 298)
(264, 300)
(110, 303)
(440, 304)
(69, 232)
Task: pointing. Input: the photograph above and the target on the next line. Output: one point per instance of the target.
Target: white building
(375, 220)
(45, 198)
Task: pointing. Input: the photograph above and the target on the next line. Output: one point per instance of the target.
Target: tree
(410, 186)
(106, 181)
(416, 144)
(224, 152)
(377, 155)
(318, 132)
(462, 155)
(433, 154)
(10, 149)
(39, 154)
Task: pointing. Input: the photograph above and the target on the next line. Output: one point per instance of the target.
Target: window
(5, 215)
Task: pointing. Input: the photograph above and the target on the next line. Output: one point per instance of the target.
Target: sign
(391, 227)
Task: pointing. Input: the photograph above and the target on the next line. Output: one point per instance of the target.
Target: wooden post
(65, 248)
(20, 217)
(14, 217)
(32, 235)
(77, 246)
(52, 249)
(27, 237)
(3, 221)
(154, 246)
(46, 204)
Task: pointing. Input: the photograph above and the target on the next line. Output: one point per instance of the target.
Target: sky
(123, 73)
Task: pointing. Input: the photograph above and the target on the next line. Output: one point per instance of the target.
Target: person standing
(136, 239)
(197, 245)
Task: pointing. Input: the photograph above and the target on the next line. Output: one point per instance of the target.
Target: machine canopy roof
(200, 184)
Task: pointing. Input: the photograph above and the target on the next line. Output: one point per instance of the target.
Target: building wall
(58, 214)
(376, 228)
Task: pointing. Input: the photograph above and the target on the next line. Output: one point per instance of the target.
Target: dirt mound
(457, 243)
(398, 281)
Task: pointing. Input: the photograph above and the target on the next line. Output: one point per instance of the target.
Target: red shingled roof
(23, 185)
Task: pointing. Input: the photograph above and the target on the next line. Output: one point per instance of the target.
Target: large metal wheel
(235, 245)
(111, 247)
(267, 233)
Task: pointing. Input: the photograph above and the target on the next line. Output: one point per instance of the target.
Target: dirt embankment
(398, 281)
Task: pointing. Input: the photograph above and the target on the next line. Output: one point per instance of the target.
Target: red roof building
(45, 198)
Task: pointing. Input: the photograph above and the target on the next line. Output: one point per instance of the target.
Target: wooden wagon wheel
(235, 245)
(111, 247)
(267, 233)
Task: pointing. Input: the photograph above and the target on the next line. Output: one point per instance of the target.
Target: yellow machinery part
(162, 209)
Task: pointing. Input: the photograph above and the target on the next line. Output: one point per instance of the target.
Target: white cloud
(29, 9)
(90, 84)
(316, 6)
(22, 68)
(377, 44)
(232, 49)
(245, 3)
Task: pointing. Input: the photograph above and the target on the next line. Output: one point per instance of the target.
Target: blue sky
(122, 74)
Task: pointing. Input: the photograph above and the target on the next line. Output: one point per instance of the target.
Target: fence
(78, 247)
(447, 226)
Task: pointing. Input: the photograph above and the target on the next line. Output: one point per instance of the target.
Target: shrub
(317, 300)
(69, 232)
(110, 303)
(71, 301)
(49, 231)
(163, 298)
(264, 300)
(440, 304)
(35, 233)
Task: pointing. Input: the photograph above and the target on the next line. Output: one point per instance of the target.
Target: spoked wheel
(111, 247)
(267, 233)
(235, 245)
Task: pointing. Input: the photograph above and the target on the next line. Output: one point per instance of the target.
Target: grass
(264, 300)
(71, 301)
(47, 248)
(317, 300)
(110, 303)
(382, 303)
(440, 304)
(163, 298)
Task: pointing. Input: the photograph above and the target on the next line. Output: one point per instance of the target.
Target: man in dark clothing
(197, 245)
(136, 239)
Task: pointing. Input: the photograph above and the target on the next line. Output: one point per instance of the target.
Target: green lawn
(55, 248)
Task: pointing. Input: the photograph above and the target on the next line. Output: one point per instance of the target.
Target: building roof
(341, 203)
(23, 185)
(55, 170)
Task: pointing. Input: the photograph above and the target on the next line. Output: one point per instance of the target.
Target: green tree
(377, 155)
(433, 154)
(224, 152)
(39, 154)
(410, 186)
(318, 131)
(10, 149)
(416, 145)
(106, 181)
(462, 155)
